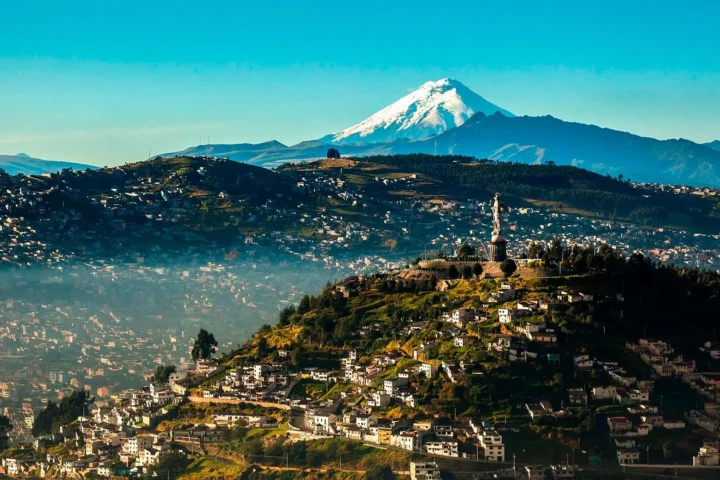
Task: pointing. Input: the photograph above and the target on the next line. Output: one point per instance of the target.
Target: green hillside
(560, 188)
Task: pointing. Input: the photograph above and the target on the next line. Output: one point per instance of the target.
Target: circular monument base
(498, 250)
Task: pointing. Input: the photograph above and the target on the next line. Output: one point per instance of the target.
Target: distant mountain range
(715, 145)
(446, 117)
(602, 150)
(23, 163)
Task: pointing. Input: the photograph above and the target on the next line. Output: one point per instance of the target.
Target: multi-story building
(424, 471)
(447, 448)
(492, 443)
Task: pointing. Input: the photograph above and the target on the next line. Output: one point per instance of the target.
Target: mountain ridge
(715, 145)
(399, 129)
(24, 163)
(602, 150)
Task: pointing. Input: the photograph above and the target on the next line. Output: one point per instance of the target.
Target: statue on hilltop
(497, 208)
(498, 248)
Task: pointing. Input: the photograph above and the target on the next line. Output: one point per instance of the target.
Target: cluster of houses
(98, 439)
(634, 395)
(118, 438)
(660, 356)
(269, 382)
(440, 437)
(431, 471)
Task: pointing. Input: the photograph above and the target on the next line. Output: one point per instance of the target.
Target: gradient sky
(105, 82)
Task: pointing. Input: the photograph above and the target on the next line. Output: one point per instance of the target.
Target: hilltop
(559, 188)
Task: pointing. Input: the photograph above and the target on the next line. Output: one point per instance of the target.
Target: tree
(170, 465)
(163, 372)
(467, 272)
(69, 409)
(453, 272)
(205, 345)
(333, 153)
(304, 306)
(477, 269)
(285, 315)
(668, 448)
(466, 250)
(5, 427)
(508, 267)
(380, 473)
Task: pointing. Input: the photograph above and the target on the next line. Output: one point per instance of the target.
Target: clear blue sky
(103, 82)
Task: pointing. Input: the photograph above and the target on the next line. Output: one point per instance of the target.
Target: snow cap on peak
(431, 109)
(443, 82)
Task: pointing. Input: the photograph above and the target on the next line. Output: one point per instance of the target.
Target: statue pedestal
(498, 249)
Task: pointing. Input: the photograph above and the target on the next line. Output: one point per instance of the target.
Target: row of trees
(69, 409)
(465, 272)
(507, 267)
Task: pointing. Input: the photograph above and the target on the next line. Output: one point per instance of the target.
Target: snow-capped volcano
(429, 110)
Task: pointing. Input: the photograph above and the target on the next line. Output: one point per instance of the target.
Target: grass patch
(207, 468)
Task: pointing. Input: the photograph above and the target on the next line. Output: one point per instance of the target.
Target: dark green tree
(170, 466)
(68, 410)
(333, 153)
(508, 267)
(5, 427)
(380, 473)
(286, 314)
(466, 250)
(304, 305)
(467, 272)
(205, 345)
(477, 269)
(163, 372)
(453, 272)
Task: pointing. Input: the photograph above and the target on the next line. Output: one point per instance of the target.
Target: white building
(391, 384)
(492, 442)
(133, 445)
(323, 422)
(406, 440)
(428, 369)
(707, 455)
(424, 471)
(446, 448)
(628, 456)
